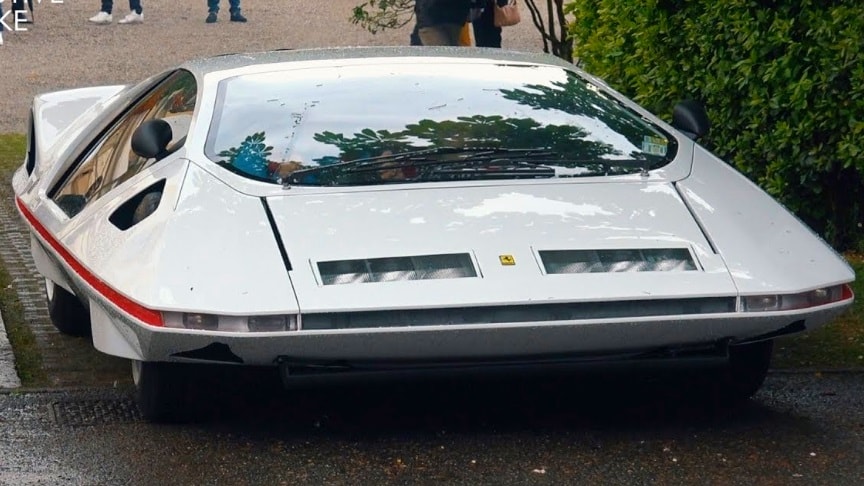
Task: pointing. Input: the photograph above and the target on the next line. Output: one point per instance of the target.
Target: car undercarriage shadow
(253, 402)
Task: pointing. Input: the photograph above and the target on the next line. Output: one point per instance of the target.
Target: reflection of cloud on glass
(515, 202)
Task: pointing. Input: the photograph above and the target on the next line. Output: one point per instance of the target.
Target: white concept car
(374, 209)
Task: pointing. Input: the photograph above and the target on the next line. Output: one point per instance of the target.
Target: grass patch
(12, 148)
(28, 360)
(839, 344)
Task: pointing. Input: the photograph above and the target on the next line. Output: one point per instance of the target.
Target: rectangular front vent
(395, 269)
(621, 260)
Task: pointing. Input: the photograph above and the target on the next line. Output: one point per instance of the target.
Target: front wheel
(738, 380)
(747, 369)
(161, 391)
(67, 313)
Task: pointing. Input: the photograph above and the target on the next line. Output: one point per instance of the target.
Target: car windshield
(412, 123)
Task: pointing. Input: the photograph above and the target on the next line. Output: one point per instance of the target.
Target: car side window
(111, 161)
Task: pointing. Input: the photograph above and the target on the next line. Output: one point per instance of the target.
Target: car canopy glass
(422, 122)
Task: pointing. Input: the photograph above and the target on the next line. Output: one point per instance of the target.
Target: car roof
(228, 62)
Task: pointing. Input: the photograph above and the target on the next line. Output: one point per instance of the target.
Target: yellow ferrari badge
(507, 259)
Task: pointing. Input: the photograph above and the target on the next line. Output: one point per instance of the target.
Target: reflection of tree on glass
(581, 99)
(470, 132)
(483, 147)
(252, 158)
(366, 143)
(421, 123)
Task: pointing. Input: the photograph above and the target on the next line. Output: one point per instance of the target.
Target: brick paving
(8, 376)
(67, 361)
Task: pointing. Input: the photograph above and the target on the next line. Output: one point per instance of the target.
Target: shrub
(783, 82)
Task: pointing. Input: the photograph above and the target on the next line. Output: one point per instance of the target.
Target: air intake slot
(621, 260)
(138, 208)
(394, 269)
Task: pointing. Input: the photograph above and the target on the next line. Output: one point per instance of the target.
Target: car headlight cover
(217, 323)
(802, 300)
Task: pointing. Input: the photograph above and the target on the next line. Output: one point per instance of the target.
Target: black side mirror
(151, 139)
(690, 117)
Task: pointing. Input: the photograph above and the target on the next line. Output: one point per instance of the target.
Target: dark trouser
(440, 35)
(213, 5)
(486, 34)
(415, 36)
(134, 6)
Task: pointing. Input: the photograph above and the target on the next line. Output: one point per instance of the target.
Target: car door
(110, 161)
(69, 213)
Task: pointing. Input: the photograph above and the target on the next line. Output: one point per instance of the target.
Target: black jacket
(430, 13)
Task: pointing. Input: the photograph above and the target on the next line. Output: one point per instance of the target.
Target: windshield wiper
(418, 158)
(450, 163)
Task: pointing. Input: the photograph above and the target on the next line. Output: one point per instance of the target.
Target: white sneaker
(132, 18)
(101, 18)
(1, 38)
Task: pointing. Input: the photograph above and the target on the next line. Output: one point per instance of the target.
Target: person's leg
(440, 35)
(432, 36)
(19, 6)
(236, 16)
(486, 34)
(415, 36)
(104, 15)
(453, 33)
(135, 15)
(213, 10)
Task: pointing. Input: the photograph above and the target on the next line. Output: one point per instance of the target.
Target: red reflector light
(847, 292)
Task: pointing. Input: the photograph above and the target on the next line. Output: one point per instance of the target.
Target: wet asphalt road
(801, 429)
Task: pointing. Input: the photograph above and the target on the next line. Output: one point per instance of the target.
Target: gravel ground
(801, 429)
(62, 50)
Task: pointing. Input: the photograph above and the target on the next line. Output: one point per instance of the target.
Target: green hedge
(783, 82)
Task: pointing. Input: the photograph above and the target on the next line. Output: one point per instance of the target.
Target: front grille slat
(617, 260)
(518, 313)
(397, 269)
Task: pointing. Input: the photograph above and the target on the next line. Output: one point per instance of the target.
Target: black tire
(736, 382)
(67, 313)
(161, 391)
(748, 367)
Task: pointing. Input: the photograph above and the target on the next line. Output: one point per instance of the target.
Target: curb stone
(8, 375)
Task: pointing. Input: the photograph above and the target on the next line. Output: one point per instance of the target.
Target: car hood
(503, 245)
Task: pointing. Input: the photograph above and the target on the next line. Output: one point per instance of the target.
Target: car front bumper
(116, 334)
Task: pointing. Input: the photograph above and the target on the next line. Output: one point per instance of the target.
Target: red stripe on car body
(127, 305)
